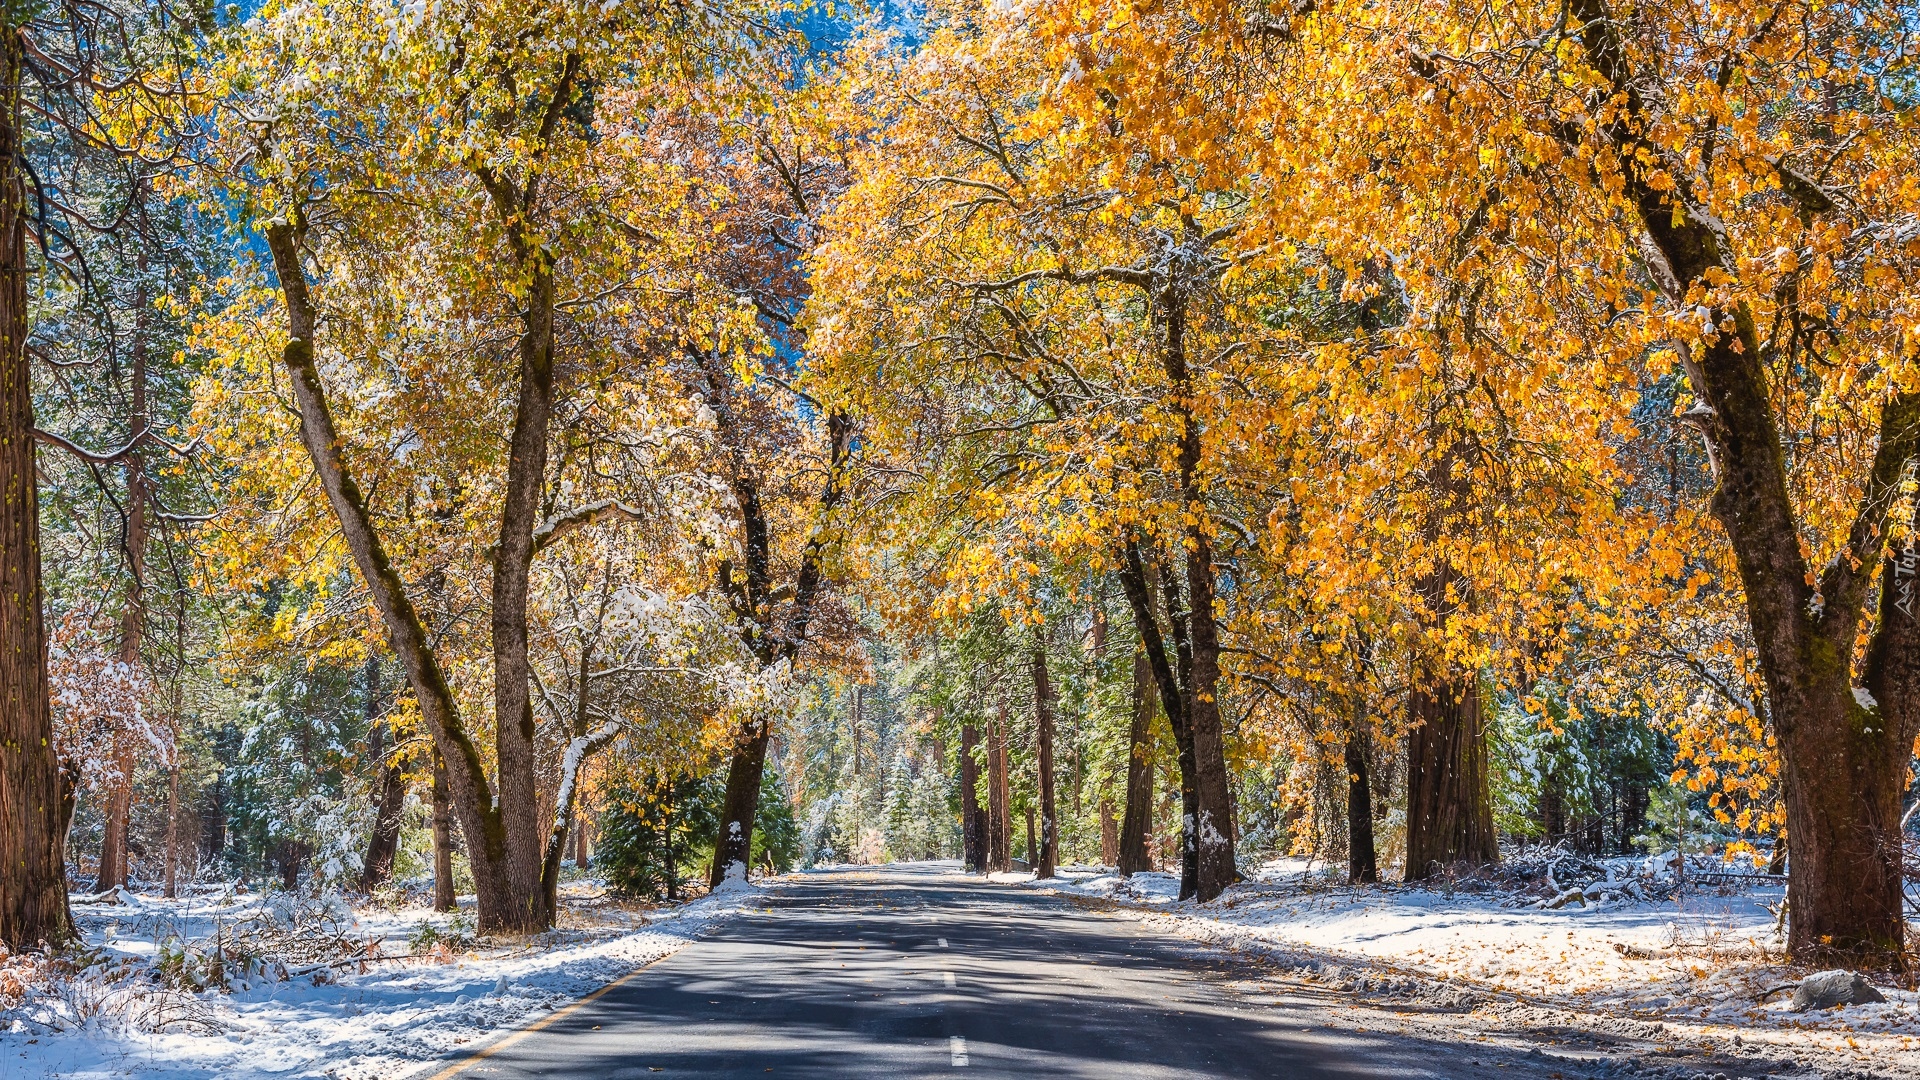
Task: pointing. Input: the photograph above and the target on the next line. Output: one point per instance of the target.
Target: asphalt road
(921, 971)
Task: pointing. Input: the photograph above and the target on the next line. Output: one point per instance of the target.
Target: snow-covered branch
(551, 530)
(576, 755)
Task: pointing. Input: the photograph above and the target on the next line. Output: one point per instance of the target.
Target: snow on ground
(348, 1020)
(1626, 952)
(1680, 965)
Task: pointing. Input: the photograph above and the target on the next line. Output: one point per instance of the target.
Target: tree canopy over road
(458, 443)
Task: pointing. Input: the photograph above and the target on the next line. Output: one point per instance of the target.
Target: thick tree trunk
(1843, 785)
(1361, 865)
(390, 789)
(973, 825)
(999, 823)
(518, 881)
(1043, 703)
(1449, 809)
(744, 773)
(1138, 822)
(1033, 850)
(33, 885)
(443, 894)
(1449, 802)
(292, 857)
(1845, 771)
(1213, 797)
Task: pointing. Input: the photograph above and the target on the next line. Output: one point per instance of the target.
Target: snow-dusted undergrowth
(137, 1008)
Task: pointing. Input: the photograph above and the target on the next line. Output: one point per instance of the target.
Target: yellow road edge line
(493, 1048)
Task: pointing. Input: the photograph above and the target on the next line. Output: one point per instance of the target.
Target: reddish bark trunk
(113, 843)
(1449, 810)
(973, 826)
(34, 799)
(1449, 802)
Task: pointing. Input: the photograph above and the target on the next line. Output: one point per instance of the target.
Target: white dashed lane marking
(957, 1045)
(943, 943)
(948, 975)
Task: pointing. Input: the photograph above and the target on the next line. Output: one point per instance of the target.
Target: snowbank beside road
(390, 1020)
(1625, 951)
(1687, 967)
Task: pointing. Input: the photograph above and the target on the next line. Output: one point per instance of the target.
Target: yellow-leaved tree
(472, 242)
(1716, 193)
